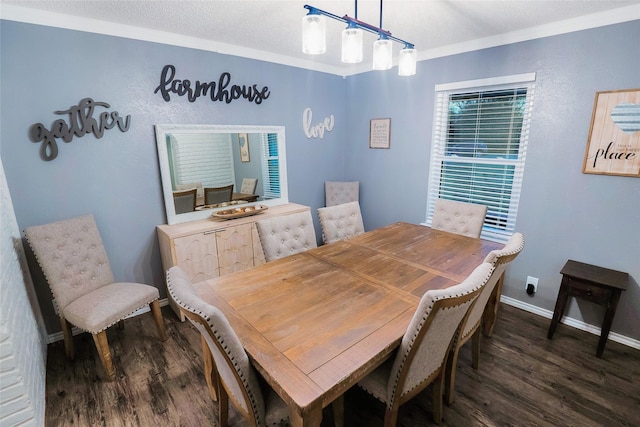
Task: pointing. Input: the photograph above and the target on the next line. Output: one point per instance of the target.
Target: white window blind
(481, 131)
(199, 157)
(270, 166)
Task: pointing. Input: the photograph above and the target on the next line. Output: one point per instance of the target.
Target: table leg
(312, 417)
(606, 324)
(561, 302)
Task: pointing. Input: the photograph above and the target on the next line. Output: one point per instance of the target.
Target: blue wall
(563, 213)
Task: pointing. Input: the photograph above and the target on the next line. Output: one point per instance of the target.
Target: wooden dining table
(317, 322)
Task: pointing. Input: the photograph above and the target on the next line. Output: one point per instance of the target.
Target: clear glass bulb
(407, 62)
(351, 45)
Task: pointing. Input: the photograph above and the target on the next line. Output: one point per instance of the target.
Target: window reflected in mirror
(226, 165)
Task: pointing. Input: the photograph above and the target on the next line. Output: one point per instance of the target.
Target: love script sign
(613, 147)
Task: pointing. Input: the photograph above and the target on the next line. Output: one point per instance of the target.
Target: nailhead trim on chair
(182, 304)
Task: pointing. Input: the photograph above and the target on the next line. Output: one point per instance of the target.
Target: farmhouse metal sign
(613, 147)
(81, 122)
(222, 90)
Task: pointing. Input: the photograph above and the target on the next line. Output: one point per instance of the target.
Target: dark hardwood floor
(523, 380)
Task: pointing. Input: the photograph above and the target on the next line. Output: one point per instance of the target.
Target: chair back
(185, 200)
(249, 185)
(500, 259)
(339, 192)
(286, 235)
(197, 185)
(425, 345)
(70, 252)
(340, 222)
(214, 195)
(456, 217)
(236, 374)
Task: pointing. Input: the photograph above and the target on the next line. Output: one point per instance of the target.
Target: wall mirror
(215, 156)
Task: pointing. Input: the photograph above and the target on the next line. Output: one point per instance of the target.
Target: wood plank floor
(524, 380)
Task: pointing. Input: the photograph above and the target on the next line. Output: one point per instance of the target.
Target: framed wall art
(245, 154)
(379, 133)
(613, 147)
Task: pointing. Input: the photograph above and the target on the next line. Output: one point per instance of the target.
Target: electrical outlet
(531, 281)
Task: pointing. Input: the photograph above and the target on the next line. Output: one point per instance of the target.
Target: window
(480, 136)
(270, 166)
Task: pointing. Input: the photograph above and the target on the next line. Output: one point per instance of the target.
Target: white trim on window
(479, 146)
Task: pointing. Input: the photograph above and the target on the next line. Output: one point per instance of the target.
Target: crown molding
(59, 20)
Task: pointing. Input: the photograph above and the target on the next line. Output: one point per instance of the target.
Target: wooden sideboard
(210, 248)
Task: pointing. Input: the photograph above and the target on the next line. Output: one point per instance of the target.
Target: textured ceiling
(274, 27)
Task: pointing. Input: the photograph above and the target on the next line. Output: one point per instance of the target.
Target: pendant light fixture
(314, 35)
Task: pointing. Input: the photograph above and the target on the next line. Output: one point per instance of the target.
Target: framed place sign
(379, 133)
(613, 147)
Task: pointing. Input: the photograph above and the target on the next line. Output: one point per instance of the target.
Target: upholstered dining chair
(75, 264)
(185, 200)
(213, 195)
(249, 185)
(421, 358)
(500, 257)
(286, 235)
(198, 186)
(339, 192)
(459, 217)
(236, 379)
(471, 326)
(340, 222)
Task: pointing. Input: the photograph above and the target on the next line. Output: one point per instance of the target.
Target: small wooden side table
(596, 284)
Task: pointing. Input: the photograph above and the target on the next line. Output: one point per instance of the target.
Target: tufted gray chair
(421, 358)
(249, 185)
(185, 200)
(75, 264)
(340, 222)
(236, 379)
(459, 217)
(286, 235)
(470, 328)
(197, 186)
(339, 192)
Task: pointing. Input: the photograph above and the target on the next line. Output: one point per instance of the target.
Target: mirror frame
(163, 160)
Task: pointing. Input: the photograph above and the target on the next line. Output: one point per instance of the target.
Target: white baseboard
(58, 336)
(506, 300)
(633, 343)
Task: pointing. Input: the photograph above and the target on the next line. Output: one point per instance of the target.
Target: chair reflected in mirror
(213, 195)
(249, 185)
(185, 201)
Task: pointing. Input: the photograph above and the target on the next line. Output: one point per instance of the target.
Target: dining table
(317, 322)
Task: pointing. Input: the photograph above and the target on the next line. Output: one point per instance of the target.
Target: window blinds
(479, 148)
(270, 166)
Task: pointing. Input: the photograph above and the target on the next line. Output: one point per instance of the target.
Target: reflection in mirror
(207, 157)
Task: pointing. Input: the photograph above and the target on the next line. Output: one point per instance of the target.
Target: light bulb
(382, 54)
(407, 62)
(351, 45)
(313, 34)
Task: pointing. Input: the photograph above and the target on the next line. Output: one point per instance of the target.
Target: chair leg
(491, 309)
(338, 411)
(68, 338)
(210, 373)
(223, 406)
(157, 318)
(391, 417)
(475, 348)
(450, 375)
(105, 354)
(438, 385)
